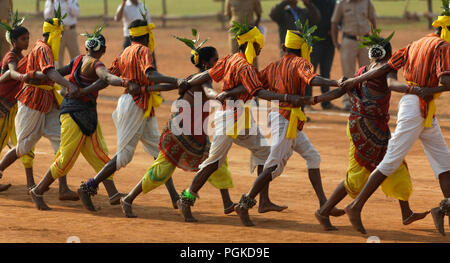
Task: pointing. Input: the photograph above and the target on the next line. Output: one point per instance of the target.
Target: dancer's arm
(161, 87)
(210, 92)
(321, 81)
(103, 74)
(329, 96)
(296, 100)
(68, 88)
(373, 73)
(200, 79)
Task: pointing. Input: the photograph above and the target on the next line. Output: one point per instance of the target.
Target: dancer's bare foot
(355, 219)
(415, 217)
(243, 215)
(115, 199)
(438, 218)
(325, 222)
(229, 209)
(68, 195)
(86, 200)
(336, 212)
(268, 207)
(186, 211)
(38, 200)
(4, 187)
(126, 208)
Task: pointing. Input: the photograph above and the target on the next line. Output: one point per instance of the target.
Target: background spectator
(287, 12)
(69, 38)
(356, 18)
(323, 51)
(239, 11)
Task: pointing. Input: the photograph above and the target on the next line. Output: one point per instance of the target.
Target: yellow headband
(251, 37)
(294, 41)
(144, 30)
(196, 56)
(444, 22)
(54, 39)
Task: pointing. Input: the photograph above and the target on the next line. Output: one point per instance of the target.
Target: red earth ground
(159, 222)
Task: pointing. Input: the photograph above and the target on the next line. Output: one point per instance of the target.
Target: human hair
(294, 51)
(204, 54)
(17, 32)
(138, 23)
(96, 44)
(380, 52)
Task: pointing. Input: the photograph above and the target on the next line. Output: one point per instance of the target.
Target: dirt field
(159, 222)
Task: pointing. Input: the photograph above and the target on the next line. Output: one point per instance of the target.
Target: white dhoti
(221, 143)
(31, 125)
(282, 148)
(132, 127)
(410, 127)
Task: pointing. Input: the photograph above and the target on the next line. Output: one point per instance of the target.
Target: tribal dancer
(38, 103)
(180, 145)
(11, 82)
(135, 115)
(289, 76)
(80, 130)
(234, 124)
(368, 133)
(425, 64)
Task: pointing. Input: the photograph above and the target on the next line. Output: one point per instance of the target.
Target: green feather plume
(375, 39)
(192, 43)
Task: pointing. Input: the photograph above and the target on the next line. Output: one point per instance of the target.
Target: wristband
(408, 89)
(125, 83)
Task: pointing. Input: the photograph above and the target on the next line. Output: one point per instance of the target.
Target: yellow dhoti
(8, 133)
(162, 169)
(74, 142)
(397, 185)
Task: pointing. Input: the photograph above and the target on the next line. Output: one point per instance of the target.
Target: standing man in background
(70, 37)
(357, 19)
(287, 12)
(323, 51)
(4, 15)
(129, 11)
(239, 11)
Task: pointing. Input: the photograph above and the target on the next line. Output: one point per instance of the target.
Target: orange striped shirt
(234, 70)
(39, 59)
(10, 88)
(424, 61)
(132, 64)
(289, 75)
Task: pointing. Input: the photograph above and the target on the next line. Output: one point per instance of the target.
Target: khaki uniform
(239, 10)
(354, 17)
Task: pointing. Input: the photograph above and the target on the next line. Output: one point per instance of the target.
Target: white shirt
(69, 7)
(131, 13)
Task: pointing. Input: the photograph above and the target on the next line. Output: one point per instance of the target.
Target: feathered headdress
(193, 44)
(376, 43)
(95, 40)
(15, 21)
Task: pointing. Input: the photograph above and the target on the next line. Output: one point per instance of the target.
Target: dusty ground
(159, 222)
